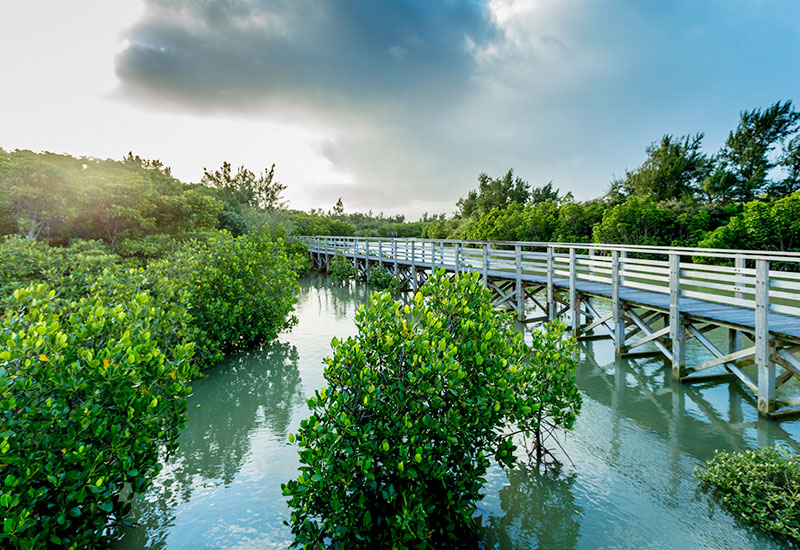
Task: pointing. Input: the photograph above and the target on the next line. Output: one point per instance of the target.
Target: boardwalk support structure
(649, 300)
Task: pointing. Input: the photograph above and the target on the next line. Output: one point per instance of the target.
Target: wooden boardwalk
(658, 295)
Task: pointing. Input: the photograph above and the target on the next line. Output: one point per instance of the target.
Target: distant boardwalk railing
(657, 295)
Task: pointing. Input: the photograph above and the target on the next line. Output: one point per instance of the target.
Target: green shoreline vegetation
(762, 486)
(119, 287)
(119, 284)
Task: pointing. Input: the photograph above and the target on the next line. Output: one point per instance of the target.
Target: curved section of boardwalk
(657, 295)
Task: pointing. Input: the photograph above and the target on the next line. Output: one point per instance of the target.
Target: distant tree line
(746, 195)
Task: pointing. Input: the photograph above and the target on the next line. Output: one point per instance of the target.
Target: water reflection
(338, 303)
(539, 510)
(721, 414)
(635, 446)
(251, 394)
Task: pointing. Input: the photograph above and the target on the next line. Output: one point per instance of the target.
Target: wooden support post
(623, 256)
(457, 258)
(394, 255)
(486, 266)
(518, 288)
(414, 284)
(574, 304)
(677, 331)
(735, 336)
(433, 257)
(366, 262)
(592, 257)
(551, 295)
(616, 305)
(766, 368)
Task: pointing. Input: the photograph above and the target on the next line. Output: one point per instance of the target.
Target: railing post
(355, 253)
(457, 259)
(394, 255)
(519, 289)
(677, 331)
(485, 265)
(616, 305)
(414, 266)
(588, 299)
(574, 305)
(735, 336)
(380, 254)
(766, 368)
(366, 261)
(433, 257)
(551, 296)
(623, 256)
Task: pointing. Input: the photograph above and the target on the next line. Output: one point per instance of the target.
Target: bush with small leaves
(70, 270)
(761, 485)
(395, 452)
(298, 252)
(93, 374)
(381, 279)
(241, 290)
(341, 268)
(88, 397)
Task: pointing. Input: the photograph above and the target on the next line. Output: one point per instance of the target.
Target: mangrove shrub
(87, 398)
(396, 449)
(242, 290)
(761, 485)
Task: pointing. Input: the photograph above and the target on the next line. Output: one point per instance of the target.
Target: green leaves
(99, 381)
(341, 269)
(761, 485)
(415, 403)
(85, 413)
(240, 291)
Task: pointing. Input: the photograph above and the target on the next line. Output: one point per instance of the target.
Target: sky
(392, 106)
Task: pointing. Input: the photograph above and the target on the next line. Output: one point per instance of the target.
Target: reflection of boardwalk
(658, 296)
(632, 389)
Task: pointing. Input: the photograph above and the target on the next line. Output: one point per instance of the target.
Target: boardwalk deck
(646, 286)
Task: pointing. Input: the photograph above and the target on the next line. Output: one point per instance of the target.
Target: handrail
(608, 264)
(723, 253)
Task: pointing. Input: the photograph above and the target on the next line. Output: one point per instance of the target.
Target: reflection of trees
(253, 389)
(256, 389)
(338, 297)
(539, 511)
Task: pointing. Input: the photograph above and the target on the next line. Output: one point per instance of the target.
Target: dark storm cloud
(414, 98)
(235, 54)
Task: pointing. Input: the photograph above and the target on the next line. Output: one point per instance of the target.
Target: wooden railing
(743, 278)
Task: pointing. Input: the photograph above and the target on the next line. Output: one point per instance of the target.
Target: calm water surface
(634, 448)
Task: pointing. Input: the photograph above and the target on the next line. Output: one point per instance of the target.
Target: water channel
(630, 484)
